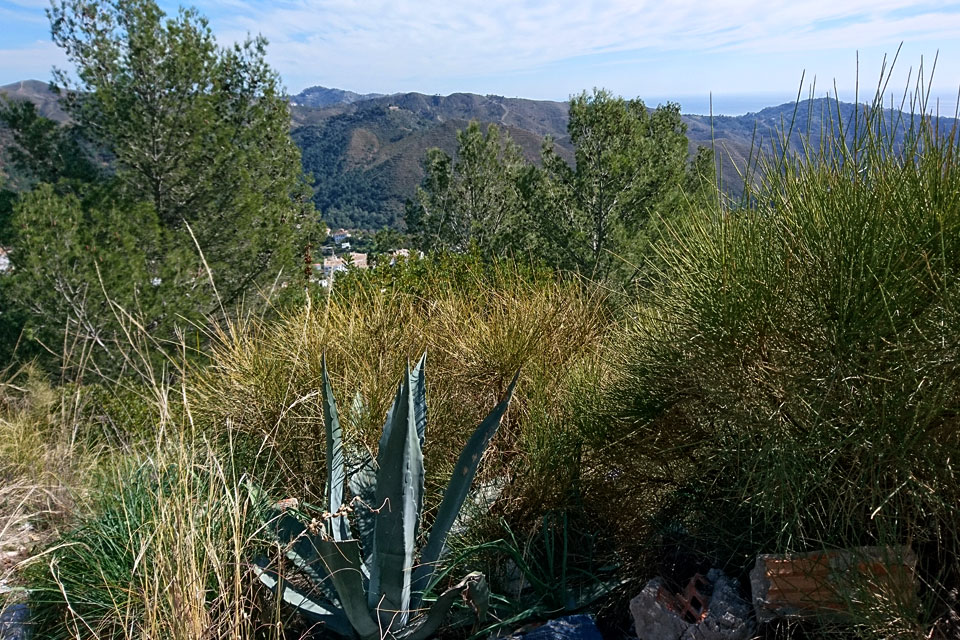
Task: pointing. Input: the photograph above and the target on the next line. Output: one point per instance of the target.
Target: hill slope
(365, 152)
(366, 157)
(325, 97)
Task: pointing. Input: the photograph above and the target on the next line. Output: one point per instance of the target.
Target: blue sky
(748, 53)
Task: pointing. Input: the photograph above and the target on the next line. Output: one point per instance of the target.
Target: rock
(15, 623)
(707, 609)
(827, 582)
(653, 619)
(578, 627)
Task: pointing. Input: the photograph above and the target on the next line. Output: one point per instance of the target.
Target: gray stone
(652, 619)
(727, 615)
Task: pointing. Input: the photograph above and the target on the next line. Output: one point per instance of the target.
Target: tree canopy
(177, 146)
(472, 200)
(630, 168)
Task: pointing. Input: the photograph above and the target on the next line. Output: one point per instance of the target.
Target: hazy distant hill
(324, 97)
(38, 93)
(366, 153)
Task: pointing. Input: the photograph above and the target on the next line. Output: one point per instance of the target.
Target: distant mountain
(39, 93)
(324, 97)
(366, 153)
(367, 157)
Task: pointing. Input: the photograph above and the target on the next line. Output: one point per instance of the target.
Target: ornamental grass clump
(791, 379)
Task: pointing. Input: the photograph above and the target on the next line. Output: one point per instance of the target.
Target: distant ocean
(737, 104)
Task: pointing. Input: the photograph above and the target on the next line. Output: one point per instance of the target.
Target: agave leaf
(292, 536)
(477, 594)
(342, 561)
(456, 493)
(418, 381)
(336, 473)
(388, 424)
(358, 410)
(418, 401)
(333, 618)
(300, 547)
(400, 490)
(363, 485)
(374, 588)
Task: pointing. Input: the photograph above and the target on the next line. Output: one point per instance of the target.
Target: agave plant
(372, 585)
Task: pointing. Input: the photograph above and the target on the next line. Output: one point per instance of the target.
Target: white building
(333, 264)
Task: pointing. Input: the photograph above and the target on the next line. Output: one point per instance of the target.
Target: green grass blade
(456, 493)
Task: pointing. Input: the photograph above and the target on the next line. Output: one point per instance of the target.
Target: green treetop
(629, 165)
(470, 200)
(199, 131)
(186, 145)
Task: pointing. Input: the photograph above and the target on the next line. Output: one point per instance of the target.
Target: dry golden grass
(264, 378)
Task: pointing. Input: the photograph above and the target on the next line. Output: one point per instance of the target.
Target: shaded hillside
(366, 159)
(46, 102)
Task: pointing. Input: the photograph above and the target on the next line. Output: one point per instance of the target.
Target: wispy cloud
(387, 45)
(397, 41)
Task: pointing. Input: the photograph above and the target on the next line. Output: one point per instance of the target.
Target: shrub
(791, 378)
(161, 555)
(478, 326)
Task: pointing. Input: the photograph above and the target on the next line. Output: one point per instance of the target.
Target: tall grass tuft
(163, 554)
(478, 324)
(791, 379)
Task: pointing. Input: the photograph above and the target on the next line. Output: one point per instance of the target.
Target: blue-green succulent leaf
(333, 618)
(456, 493)
(363, 485)
(298, 545)
(418, 381)
(400, 481)
(342, 561)
(371, 551)
(336, 472)
(472, 588)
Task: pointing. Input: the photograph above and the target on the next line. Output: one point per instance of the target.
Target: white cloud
(549, 47)
(407, 39)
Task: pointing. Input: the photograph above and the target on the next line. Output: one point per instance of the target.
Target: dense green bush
(791, 380)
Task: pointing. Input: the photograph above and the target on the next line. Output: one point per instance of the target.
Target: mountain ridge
(319, 96)
(365, 151)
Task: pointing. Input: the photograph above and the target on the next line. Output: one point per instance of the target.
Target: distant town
(342, 241)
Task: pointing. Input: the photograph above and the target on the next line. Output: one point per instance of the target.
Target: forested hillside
(366, 152)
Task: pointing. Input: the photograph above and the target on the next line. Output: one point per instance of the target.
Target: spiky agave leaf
(331, 616)
(336, 470)
(400, 481)
(473, 589)
(456, 492)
